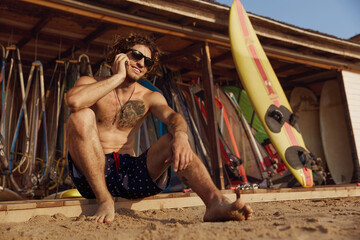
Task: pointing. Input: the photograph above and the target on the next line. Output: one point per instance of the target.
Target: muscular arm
(174, 121)
(176, 124)
(87, 91)
(182, 152)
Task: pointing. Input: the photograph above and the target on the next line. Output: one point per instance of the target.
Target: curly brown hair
(122, 43)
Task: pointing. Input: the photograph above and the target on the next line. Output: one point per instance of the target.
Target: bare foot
(105, 212)
(225, 211)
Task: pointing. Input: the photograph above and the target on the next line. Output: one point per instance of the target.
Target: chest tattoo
(131, 113)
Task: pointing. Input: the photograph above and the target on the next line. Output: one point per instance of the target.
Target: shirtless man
(106, 114)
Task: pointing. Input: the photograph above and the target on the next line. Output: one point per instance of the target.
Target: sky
(339, 18)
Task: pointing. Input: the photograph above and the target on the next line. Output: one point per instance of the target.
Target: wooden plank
(26, 214)
(310, 60)
(182, 10)
(268, 197)
(140, 205)
(49, 204)
(317, 45)
(23, 210)
(76, 202)
(20, 206)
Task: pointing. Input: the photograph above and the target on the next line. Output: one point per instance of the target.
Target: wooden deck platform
(20, 211)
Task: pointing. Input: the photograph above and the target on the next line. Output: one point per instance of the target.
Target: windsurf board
(267, 95)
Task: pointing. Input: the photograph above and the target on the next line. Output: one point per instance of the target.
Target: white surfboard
(305, 104)
(334, 134)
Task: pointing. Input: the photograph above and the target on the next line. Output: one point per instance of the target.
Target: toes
(226, 211)
(237, 205)
(247, 211)
(100, 219)
(107, 219)
(243, 212)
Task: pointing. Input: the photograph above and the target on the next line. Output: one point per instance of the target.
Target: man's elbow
(177, 115)
(72, 103)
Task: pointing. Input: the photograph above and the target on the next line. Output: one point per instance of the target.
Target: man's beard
(133, 77)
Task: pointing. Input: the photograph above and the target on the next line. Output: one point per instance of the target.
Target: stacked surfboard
(334, 134)
(306, 105)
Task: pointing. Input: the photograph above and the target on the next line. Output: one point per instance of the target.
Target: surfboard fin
(276, 117)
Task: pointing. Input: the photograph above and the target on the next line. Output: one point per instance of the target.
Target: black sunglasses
(137, 55)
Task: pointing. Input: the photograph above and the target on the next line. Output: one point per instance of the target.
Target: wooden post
(216, 161)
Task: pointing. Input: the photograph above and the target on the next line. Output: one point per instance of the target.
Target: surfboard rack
(276, 117)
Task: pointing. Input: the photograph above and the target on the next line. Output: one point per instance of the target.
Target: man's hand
(120, 64)
(182, 152)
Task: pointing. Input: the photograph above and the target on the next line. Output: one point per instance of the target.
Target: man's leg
(88, 156)
(196, 176)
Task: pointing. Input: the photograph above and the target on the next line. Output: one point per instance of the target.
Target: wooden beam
(116, 17)
(193, 48)
(107, 15)
(288, 83)
(323, 76)
(185, 21)
(228, 73)
(320, 38)
(222, 57)
(133, 9)
(208, 82)
(34, 31)
(111, 16)
(180, 9)
(285, 68)
(46, 36)
(287, 37)
(315, 61)
(83, 43)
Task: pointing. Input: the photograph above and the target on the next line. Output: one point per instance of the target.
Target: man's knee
(81, 121)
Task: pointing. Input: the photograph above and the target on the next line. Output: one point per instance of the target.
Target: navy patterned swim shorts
(126, 176)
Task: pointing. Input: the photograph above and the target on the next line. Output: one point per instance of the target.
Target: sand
(300, 219)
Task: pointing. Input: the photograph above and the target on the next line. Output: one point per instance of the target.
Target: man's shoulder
(86, 80)
(149, 95)
(145, 90)
(153, 94)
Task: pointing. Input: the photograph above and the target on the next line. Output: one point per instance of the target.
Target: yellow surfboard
(267, 95)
